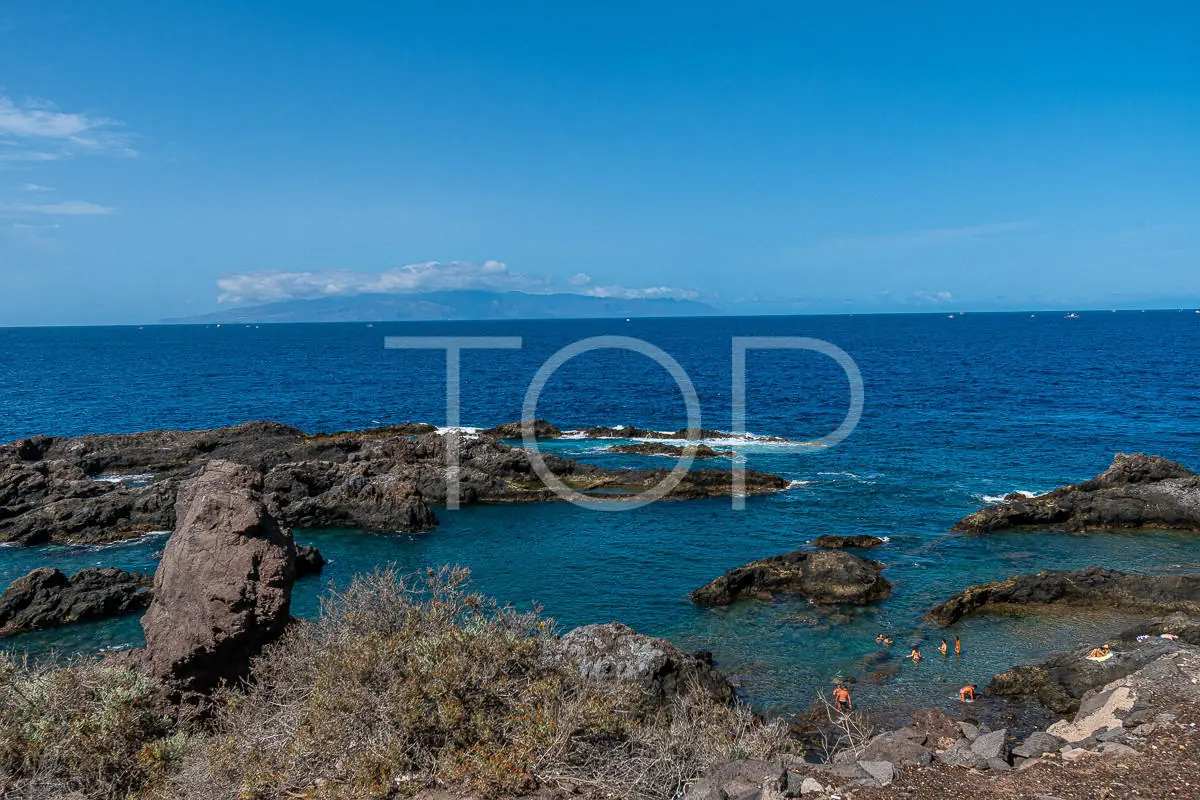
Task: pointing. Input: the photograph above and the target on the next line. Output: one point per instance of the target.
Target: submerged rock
(614, 655)
(861, 541)
(223, 589)
(1093, 586)
(823, 576)
(660, 449)
(46, 598)
(1137, 491)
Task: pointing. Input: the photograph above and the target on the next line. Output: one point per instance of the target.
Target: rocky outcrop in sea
(860, 541)
(1094, 586)
(107, 487)
(825, 577)
(1137, 491)
(46, 598)
(675, 451)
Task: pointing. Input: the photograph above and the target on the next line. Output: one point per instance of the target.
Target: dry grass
(408, 683)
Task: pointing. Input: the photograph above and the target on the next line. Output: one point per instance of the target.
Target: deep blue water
(957, 411)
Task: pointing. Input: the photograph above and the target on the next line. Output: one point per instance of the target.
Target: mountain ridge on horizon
(453, 304)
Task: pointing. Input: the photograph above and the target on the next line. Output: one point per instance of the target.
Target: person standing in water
(841, 697)
(957, 646)
(915, 655)
(943, 648)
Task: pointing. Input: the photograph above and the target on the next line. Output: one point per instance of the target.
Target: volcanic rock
(513, 430)
(46, 598)
(823, 576)
(660, 449)
(614, 655)
(861, 540)
(223, 588)
(1137, 491)
(1094, 586)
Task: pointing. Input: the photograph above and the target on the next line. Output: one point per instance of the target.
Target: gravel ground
(1168, 767)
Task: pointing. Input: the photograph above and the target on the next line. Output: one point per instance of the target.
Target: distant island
(452, 305)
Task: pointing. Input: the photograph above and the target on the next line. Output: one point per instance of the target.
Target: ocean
(958, 411)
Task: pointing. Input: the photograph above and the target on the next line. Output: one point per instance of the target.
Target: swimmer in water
(879, 639)
(887, 641)
(915, 655)
(943, 648)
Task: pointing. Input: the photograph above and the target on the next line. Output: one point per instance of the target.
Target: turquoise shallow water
(956, 412)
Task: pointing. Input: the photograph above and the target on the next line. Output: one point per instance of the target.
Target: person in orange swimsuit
(967, 694)
(957, 646)
(841, 697)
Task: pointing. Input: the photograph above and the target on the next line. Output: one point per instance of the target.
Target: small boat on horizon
(1072, 315)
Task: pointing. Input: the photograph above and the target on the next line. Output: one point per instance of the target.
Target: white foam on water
(999, 498)
(131, 478)
(797, 484)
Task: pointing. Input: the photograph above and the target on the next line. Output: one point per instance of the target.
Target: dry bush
(405, 683)
(841, 731)
(85, 728)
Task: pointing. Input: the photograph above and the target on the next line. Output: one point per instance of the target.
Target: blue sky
(157, 159)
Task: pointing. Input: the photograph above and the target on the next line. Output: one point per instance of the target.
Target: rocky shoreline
(1094, 586)
(379, 480)
(1136, 492)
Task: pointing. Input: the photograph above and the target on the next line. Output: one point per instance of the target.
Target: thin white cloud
(36, 131)
(649, 293)
(34, 187)
(70, 208)
(580, 279)
(432, 276)
(428, 277)
(934, 297)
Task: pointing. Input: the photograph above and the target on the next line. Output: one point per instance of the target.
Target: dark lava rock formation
(382, 479)
(1064, 680)
(825, 577)
(1094, 586)
(615, 655)
(861, 541)
(309, 561)
(512, 430)
(1137, 491)
(46, 598)
(223, 588)
(660, 449)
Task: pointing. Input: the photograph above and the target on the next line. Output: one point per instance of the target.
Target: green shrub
(87, 728)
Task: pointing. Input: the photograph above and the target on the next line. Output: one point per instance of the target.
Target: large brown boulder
(223, 588)
(46, 598)
(1137, 491)
(823, 576)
